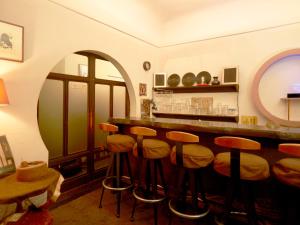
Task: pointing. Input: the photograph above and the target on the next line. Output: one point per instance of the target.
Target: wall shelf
(197, 117)
(201, 89)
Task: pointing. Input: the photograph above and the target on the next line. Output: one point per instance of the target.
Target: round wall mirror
(277, 77)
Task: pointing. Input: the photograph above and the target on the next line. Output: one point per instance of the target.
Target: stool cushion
(120, 143)
(288, 171)
(194, 156)
(252, 167)
(153, 149)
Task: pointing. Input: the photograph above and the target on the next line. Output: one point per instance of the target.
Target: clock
(146, 65)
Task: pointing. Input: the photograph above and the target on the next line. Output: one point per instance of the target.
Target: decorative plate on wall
(173, 80)
(203, 77)
(188, 79)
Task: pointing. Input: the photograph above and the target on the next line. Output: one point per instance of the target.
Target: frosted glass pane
(77, 117)
(107, 71)
(73, 64)
(119, 101)
(101, 112)
(51, 117)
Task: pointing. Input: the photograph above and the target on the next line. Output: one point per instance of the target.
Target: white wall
(51, 33)
(246, 51)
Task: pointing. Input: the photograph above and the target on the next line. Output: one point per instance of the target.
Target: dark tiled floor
(84, 211)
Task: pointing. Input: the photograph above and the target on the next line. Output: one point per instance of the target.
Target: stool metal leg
(229, 200)
(107, 174)
(250, 204)
(155, 213)
(133, 209)
(155, 191)
(118, 174)
(162, 178)
(129, 168)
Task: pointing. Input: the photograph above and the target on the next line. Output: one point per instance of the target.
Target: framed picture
(7, 164)
(230, 76)
(145, 108)
(143, 89)
(11, 42)
(160, 80)
(83, 70)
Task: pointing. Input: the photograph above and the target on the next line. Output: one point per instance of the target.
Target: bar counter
(221, 128)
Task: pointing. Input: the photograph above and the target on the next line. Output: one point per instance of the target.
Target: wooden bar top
(224, 128)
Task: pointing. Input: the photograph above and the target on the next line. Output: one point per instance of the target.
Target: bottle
(215, 81)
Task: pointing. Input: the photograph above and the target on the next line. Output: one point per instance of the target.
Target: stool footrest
(188, 212)
(109, 183)
(151, 197)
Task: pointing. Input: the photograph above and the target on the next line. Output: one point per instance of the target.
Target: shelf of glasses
(201, 89)
(225, 118)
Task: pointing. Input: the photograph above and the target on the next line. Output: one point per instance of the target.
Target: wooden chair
(287, 172)
(190, 158)
(242, 169)
(150, 152)
(119, 146)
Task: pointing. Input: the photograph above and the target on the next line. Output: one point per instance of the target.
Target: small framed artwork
(160, 80)
(143, 89)
(11, 42)
(230, 76)
(83, 70)
(7, 164)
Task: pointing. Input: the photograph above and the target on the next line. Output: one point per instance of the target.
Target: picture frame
(11, 42)
(82, 70)
(7, 164)
(230, 76)
(142, 89)
(159, 80)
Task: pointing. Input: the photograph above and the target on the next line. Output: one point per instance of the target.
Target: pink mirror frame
(255, 89)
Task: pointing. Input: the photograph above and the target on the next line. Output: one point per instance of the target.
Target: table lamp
(3, 94)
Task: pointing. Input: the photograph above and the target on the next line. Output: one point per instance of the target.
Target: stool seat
(287, 171)
(153, 149)
(252, 167)
(194, 156)
(120, 143)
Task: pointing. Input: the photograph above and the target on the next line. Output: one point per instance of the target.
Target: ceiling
(169, 9)
(171, 22)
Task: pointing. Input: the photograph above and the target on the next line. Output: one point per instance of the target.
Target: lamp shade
(3, 94)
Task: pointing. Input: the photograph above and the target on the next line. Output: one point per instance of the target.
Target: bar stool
(242, 169)
(287, 171)
(191, 159)
(151, 152)
(119, 146)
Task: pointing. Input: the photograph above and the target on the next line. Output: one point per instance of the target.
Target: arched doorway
(81, 91)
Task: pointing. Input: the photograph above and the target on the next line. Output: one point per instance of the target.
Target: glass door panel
(101, 112)
(119, 101)
(50, 117)
(77, 117)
